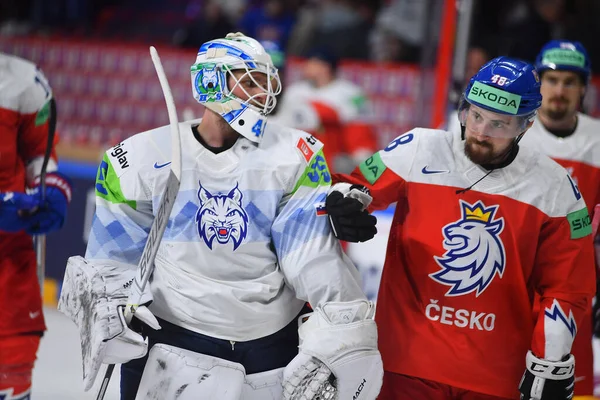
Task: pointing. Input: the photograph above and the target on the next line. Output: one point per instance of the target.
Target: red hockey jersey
(461, 269)
(24, 112)
(579, 154)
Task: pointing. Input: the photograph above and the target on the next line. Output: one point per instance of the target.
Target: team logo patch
(474, 251)
(221, 217)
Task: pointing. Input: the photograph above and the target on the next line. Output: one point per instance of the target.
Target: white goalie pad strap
(263, 386)
(343, 338)
(90, 295)
(174, 373)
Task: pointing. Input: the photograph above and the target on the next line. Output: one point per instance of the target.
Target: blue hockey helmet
(563, 55)
(505, 86)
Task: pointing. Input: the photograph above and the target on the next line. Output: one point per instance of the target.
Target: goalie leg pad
(174, 373)
(263, 386)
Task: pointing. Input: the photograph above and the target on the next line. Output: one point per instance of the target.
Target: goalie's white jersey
(248, 240)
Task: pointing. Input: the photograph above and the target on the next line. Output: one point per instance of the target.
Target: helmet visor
(481, 121)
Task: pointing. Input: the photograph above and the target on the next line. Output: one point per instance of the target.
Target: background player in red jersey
(25, 106)
(572, 139)
(333, 109)
(481, 225)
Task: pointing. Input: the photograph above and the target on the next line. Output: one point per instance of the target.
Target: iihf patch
(304, 149)
(320, 209)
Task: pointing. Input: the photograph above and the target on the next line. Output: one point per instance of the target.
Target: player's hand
(15, 209)
(548, 380)
(346, 206)
(51, 212)
(129, 344)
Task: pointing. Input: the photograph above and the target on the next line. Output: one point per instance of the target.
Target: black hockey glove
(346, 206)
(548, 380)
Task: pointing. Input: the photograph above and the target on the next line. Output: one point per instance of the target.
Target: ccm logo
(556, 371)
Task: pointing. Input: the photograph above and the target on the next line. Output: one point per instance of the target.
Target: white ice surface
(58, 372)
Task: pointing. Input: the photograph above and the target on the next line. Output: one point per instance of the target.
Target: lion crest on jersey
(221, 217)
(474, 251)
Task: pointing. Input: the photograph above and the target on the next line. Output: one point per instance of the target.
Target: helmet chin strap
(507, 157)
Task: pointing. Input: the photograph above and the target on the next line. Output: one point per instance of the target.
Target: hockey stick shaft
(40, 240)
(146, 264)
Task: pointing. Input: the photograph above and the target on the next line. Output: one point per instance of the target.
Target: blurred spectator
(14, 18)
(273, 21)
(334, 110)
(476, 57)
(207, 21)
(67, 15)
(400, 30)
(343, 26)
(519, 28)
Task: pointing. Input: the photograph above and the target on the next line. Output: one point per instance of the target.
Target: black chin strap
(507, 158)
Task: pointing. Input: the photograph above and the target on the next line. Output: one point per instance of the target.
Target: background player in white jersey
(480, 226)
(247, 245)
(572, 139)
(26, 115)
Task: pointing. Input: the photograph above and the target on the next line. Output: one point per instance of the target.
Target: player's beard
(228, 132)
(558, 109)
(481, 153)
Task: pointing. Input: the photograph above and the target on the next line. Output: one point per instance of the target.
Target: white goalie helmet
(214, 64)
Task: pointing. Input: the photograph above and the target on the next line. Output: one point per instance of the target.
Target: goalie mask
(211, 73)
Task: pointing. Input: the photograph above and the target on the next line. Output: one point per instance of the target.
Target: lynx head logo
(210, 81)
(474, 250)
(221, 217)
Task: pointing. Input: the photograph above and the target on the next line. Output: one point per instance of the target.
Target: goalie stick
(146, 264)
(40, 240)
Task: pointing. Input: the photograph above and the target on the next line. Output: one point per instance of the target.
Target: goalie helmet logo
(221, 217)
(209, 79)
(474, 251)
(207, 82)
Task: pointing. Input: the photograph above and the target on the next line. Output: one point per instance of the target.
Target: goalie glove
(94, 295)
(346, 206)
(338, 356)
(548, 380)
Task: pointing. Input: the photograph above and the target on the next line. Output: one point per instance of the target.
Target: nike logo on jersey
(33, 315)
(159, 166)
(433, 171)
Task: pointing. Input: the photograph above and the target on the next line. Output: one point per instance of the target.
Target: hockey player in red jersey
(481, 225)
(570, 138)
(333, 109)
(25, 108)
